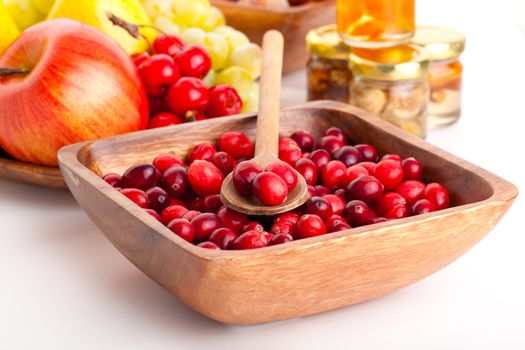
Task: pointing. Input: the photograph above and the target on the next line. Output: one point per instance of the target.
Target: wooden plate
(293, 23)
(30, 173)
(303, 277)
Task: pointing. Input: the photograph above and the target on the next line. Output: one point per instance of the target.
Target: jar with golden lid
(328, 73)
(391, 83)
(444, 47)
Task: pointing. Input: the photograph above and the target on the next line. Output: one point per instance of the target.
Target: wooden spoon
(267, 134)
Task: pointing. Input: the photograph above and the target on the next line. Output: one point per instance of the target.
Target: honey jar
(327, 69)
(391, 83)
(444, 47)
(375, 23)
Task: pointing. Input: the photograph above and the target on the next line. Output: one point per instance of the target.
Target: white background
(63, 286)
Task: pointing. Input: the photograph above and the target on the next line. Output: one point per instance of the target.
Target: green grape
(191, 13)
(193, 36)
(167, 25)
(155, 8)
(217, 49)
(233, 37)
(214, 19)
(247, 56)
(209, 79)
(251, 103)
(237, 77)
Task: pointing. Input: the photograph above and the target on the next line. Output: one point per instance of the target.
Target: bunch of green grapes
(235, 61)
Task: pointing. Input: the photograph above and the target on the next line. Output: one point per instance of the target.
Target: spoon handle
(267, 134)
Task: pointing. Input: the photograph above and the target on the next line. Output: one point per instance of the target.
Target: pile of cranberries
(349, 186)
(172, 75)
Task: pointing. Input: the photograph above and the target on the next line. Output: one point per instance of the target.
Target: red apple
(79, 85)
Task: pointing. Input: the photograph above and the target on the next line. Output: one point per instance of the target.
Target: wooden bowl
(303, 277)
(35, 174)
(293, 23)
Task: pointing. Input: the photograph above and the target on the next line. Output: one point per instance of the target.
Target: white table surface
(63, 286)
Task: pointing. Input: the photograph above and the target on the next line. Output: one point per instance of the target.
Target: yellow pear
(43, 5)
(8, 29)
(95, 13)
(23, 12)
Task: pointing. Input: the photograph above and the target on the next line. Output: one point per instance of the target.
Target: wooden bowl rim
(502, 190)
(309, 6)
(35, 174)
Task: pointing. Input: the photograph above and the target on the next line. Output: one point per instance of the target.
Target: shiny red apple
(74, 84)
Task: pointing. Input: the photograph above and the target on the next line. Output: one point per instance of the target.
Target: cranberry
(281, 238)
(357, 213)
(224, 161)
(397, 212)
(288, 216)
(349, 155)
(287, 142)
(197, 203)
(289, 151)
(205, 178)
(319, 206)
(320, 157)
(158, 199)
(308, 170)
(392, 156)
(321, 190)
(165, 161)
(334, 220)
(168, 44)
(389, 172)
(250, 240)
(137, 196)
(282, 226)
(341, 193)
(163, 119)
(237, 144)
(176, 201)
(233, 219)
(368, 153)
(340, 227)
(153, 213)
(335, 131)
(311, 191)
(209, 245)
(369, 166)
(378, 219)
(204, 224)
(157, 72)
(285, 172)
(183, 229)
(223, 237)
(336, 202)
(411, 190)
(175, 181)
(304, 139)
(423, 206)
(333, 174)
(194, 61)
(203, 151)
(353, 172)
(438, 195)
(269, 188)
(191, 214)
(212, 203)
(329, 143)
(412, 168)
(112, 179)
(224, 101)
(365, 188)
(172, 212)
(388, 201)
(188, 94)
(253, 225)
(141, 176)
(309, 225)
(243, 176)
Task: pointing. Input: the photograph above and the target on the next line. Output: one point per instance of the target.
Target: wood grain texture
(31, 173)
(294, 23)
(303, 277)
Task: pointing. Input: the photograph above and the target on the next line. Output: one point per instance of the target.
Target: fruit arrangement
(349, 186)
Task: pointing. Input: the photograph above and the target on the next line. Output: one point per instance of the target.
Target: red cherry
(357, 213)
(285, 172)
(224, 101)
(319, 206)
(423, 206)
(243, 176)
(438, 195)
(157, 72)
(411, 190)
(204, 225)
(269, 188)
(194, 61)
(250, 240)
(164, 161)
(320, 158)
(233, 219)
(171, 213)
(158, 199)
(158, 104)
(336, 202)
(224, 161)
(253, 225)
(329, 143)
(139, 58)
(168, 44)
(388, 201)
(335, 131)
(175, 181)
(163, 119)
(309, 225)
(369, 166)
(141, 176)
(368, 153)
(308, 170)
(392, 156)
(223, 237)
(183, 229)
(389, 172)
(288, 216)
(349, 155)
(236, 144)
(353, 172)
(304, 139)
(205, 178)
(365, 188)
(203, 151)
(112, 179)
(413, 169)
(280, 238)
(282, 226)
(212, 203)
(188, 94)
(397, 212)
(153, 213)
(137, 196)
(334, 220)
(333, 174)
(208, 245)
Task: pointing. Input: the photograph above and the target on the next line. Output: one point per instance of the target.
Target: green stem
(5, 72)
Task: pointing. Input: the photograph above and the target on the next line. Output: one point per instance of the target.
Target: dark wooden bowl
(293, 23)
(303, 277)
(35, 174)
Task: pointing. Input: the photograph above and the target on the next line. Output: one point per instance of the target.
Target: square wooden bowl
(293, 23)
(303, 277)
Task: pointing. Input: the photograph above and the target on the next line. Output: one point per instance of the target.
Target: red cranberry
(158, 199)
(204, 224)
(223, 237)
(269, 188)
(168, 44)
(282, 226)
(288, 216)
(392, 156)
(438, 195)
(365, 188)
(224, 101)
(304, 139)
(188, 94)
(141, 176)
(250, 240)
(368, 153)
(165, 161)
(412, 168)
(334, 220)
(281, 238)
(237, 144)
(113, 179)
(397, 212)
(322, 191)
(329, 143)
(333, 174)
(389, 172)
(203, 151)
(172, 212)
(205, 178)
(336, 202)
(153, 213)
(233, 219)
(253, 225)
(411, 190)
(341, 193)
(309, 225)
(369, 166)
(320, 157)
(137, 196)
(243, 176)
(194, 61)
(388, 201)
(319, 206)
(349, 155)
(357, 213)
(287, 142)
(224, 161)
(191, 214)
(308, 170)
(285, 172)
(162, 119)
(212, 203)
(182, 228)
(423, 206)
(353, 172)
(176, 201)
(335, 131)
(197, 203)
(175, 181)
(340, 227)
(311, 191)
(209, 245)
(289, 151)
(378, 219)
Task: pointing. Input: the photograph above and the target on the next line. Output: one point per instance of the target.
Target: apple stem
(5, 72)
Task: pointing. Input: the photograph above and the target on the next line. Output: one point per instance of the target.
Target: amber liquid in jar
(444, 78)
(375, 23)
(328, 79)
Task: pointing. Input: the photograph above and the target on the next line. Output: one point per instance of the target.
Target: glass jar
(328, 73)
(391, 83)
(375, 23)
(444, 47)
